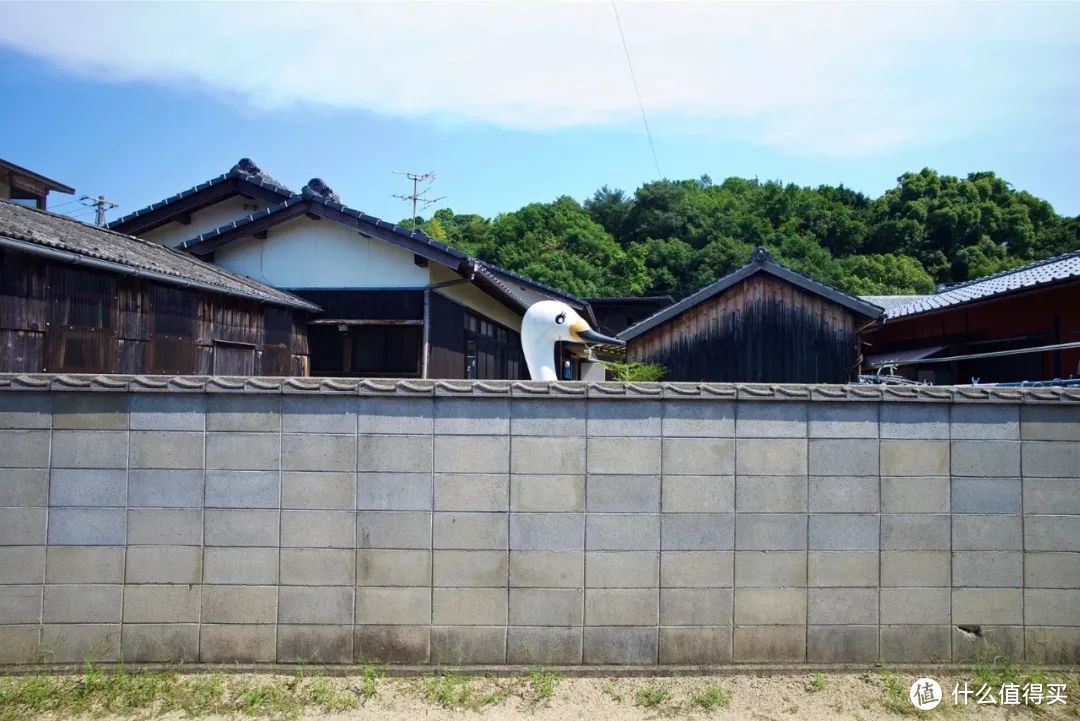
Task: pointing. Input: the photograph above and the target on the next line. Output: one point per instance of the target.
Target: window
(491, 350)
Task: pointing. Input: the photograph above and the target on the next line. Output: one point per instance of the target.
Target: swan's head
(549, 321)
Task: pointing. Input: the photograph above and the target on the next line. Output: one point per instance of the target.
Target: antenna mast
(100, 205)
(419, 198)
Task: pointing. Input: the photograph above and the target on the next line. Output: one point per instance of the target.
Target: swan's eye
(560, 318)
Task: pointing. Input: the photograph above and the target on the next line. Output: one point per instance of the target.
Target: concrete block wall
(515, 523)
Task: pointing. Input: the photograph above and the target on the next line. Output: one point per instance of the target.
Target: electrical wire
(637, 91)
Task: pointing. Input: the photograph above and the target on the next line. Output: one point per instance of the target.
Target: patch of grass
(896, 694)
(329, 699)
(370, 677)
(274, 699)
(651, 696)
(817, 683)
(611, 691)
(542, 685)
(449, 690)
(711, 698)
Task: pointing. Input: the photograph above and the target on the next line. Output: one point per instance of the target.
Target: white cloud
(836, 79)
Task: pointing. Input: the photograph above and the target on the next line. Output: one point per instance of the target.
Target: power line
(418, 194)
(100, 204)
(637, 91)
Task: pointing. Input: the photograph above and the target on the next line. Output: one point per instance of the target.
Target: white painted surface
(209, 218)
(472, 297)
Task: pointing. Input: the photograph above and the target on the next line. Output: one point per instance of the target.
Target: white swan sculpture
(547, 322)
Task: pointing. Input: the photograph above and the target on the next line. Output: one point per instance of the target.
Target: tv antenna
(419, 198)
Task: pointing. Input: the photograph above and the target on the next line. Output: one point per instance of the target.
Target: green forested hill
(676, 236)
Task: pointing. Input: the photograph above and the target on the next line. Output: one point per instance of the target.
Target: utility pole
(419, 195)
(100, 204)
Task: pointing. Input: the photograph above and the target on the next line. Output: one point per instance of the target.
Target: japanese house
(26, 187)
(762, 323)
(395, 302)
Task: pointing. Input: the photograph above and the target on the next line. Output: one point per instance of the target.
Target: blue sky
(514, 103)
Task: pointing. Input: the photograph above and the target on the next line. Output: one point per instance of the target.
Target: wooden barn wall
(366, 304)
(446, 338)
(761, 330)
(63, 319)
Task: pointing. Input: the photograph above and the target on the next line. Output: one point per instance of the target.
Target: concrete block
(391, 644)
(20, 604)
(228, 412)
(547, 493)
(317, 566)
(22, 526)
(243, 489)
(162, 604)
(694, 419)
(393, 606)
(547, 531)
(695, 646)
(696, 569)
(915, 532)
(624, 418)
(914, 458)
(240, 566)
(548, 454)
(1047, 459)
(160, 643)
(620, 493)
(472, 454)
(987, 533)
(546, 607)
(239, 604)
(87, 487)
(90, 411)
(243, 451)
(165, 526)
(1051, 533)
(167, 412)
(315, 490)
(20, 644)
(477, 569)
(914, 420)
(770, 606)
(844, 494)
(622, 646)
(842, 568)
(393, 491)
(463, 531)
(695, 606)
(915, 644)
(842, 606)
(843, 420)
(393, 529)
(27, 449)
(1052, 644)
(770, 569)
(770, 531)
(381, 567)
(547, 417)
(163, 564)
(629, 455)
(79, 643)
(318, 529)
(989, 642)
(985, 422)
(241, 528)
(23, 564)
(621, 607)
(698, 456)
(317, 452)
(985, 458)
(166, 449)
(468, 644)
(915, 606)
(314, 644)
(472, 492)
(83, 564)
(1051, 607)
(771, 420)
(24, 487)
(546, 569)
(317, 414)
(989, 606)
(698, 494)
(161, 488)
(396, 454)
(82, 603)
(1002, 569)
(72, 449)
(399, 416)
(769, 644)
(1042, 495)
(760, 457)
(26, 410)
(472, 416)
(915, 568)
(1050, 423)
(843, 457)
(622, 531)
(1051, 570)
(86, 527)
(469, 607)
(622, 569)
(331, 605)
(697, 531)
(543, 646)
(915, 494)
(842, 644)
(237, 644)
(771, 494)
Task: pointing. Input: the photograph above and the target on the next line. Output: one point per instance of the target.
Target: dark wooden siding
(367, 304)
(762, 330)
(446, 338)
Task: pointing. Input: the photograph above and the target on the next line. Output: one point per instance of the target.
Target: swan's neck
(540, 357)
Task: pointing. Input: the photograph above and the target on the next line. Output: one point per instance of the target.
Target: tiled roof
(29, 228)
(891, 302)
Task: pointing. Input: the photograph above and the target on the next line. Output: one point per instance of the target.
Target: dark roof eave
(49, 183)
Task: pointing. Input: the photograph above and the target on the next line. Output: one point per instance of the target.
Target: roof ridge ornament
(318, 187)
(761, 255)
(247, 167)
